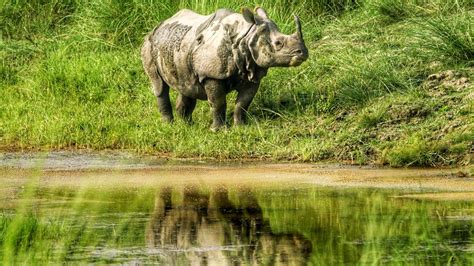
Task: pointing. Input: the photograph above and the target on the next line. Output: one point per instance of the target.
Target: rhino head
(271, 48)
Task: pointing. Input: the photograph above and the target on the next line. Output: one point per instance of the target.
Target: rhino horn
(298, 33)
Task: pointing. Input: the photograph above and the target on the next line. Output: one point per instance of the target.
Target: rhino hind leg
(163, 101)
(162, 93)
(159, 87)
(185, 107)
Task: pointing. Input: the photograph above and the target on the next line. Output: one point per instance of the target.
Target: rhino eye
(278, 44)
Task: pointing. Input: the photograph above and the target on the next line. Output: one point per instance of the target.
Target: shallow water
(256, 214)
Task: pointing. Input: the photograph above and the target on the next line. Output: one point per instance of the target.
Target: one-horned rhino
(206, 57)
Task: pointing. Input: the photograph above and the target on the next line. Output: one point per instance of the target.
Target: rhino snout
(299, 56)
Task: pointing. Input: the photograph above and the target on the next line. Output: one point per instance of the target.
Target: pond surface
(260, 214)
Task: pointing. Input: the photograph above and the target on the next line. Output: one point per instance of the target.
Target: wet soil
(123, 170)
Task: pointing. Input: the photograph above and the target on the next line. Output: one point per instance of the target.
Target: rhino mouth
(297, 60)
(298, 56)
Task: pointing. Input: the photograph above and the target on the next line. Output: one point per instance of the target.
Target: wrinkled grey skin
(206, 57)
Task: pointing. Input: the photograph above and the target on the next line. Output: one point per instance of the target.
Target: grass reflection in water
(225, 225)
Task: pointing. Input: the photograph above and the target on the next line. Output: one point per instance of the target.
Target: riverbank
(125, 170)
(387, 83)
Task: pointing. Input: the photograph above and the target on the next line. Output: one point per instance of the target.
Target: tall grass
(124, 23)
(23, 19)
(450, 37)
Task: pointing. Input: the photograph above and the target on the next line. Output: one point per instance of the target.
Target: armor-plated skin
(205, 57)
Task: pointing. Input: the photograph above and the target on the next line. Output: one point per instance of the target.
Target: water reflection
(232, 225)
(212, 230)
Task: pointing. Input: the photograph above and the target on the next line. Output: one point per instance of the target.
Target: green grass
(71, 78)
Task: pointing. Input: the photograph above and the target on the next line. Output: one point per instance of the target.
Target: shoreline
(86, 169)
(133, 160)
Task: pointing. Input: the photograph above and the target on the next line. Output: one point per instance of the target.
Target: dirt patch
(261, 175)
(442, 83)
(123, 170)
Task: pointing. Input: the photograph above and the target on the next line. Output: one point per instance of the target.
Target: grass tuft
(415, 152)
(395, 10)
(450, 37)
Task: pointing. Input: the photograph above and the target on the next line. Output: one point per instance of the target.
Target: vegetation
(387, 82)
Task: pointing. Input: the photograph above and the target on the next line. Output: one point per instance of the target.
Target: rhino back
(189, 48)
(212, 52)
(218, 54)
(172, 42)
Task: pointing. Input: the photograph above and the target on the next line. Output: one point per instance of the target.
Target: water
(152, 216)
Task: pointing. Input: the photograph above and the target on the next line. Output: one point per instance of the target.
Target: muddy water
(137, 211)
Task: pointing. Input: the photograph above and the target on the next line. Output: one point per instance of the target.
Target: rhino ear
(252, 18)
(248, 15)
(261, 12)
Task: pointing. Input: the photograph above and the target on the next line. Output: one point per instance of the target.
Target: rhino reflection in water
(210, 229)
(205, 57)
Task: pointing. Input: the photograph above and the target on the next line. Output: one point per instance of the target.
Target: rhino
(206, 57)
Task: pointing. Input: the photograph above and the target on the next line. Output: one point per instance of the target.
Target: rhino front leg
(185, 107)
(216, 93)
(244, 98)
